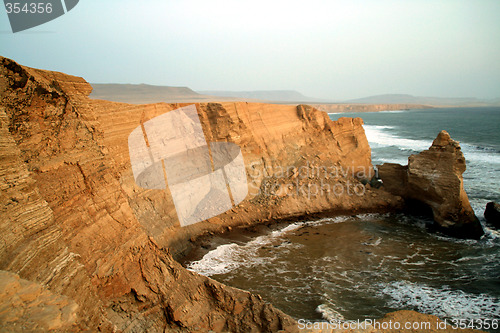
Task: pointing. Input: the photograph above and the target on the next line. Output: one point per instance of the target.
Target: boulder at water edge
(492, 214)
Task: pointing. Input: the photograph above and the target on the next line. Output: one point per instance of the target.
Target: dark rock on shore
(492, 214)
(432, 184)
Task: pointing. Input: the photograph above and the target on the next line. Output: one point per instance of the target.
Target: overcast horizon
(335, 50)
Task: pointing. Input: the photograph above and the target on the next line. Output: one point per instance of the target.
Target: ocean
(361, 267)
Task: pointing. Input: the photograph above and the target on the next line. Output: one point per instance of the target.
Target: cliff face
(433, 180)
(75, 223)
(293, 156)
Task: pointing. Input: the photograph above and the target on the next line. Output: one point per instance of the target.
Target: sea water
(361, 267)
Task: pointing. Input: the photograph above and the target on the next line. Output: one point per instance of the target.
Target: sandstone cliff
(433, 181)
(84, 248)
(76, 226)
(294, 158)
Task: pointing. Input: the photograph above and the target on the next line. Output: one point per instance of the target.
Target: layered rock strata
(27, 306)
(75, 223)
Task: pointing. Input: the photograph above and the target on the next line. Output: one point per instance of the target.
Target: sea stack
(433, 182)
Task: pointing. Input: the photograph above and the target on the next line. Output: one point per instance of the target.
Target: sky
(333, 49)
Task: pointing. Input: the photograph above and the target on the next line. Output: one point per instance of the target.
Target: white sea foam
(442, 302)
(392, 111)
(371, 216)
(380, 127)
(329, 313)
(480, 155)
(492, 233)
(453, 239)
(399, 160)
(286, 229)
(228, 257)
(375, 243)
(379, 136)
(217, 261)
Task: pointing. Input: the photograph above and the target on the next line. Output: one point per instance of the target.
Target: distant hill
(145, 93)
(410, 99)
(267, 95)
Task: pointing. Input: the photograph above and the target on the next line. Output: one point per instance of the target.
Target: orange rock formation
(74, 221)
(433, 180)
(78, 230)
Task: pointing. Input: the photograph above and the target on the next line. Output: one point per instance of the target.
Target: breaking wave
(442, 302)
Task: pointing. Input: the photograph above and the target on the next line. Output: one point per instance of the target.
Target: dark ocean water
(365, 266)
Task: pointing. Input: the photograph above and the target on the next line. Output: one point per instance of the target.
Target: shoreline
(254, 228)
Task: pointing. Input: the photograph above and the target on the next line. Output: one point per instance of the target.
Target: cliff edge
(68, 225)
(75, 223)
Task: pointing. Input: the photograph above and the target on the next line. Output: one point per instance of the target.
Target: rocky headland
(432, 184)
(84, 247)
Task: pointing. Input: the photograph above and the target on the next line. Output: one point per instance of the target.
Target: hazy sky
(330, 49)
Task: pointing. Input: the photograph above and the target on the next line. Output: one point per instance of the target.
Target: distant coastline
(344, 108)
(147, 94)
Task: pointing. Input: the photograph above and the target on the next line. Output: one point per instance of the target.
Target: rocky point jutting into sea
(432, 184)
(84, 247)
